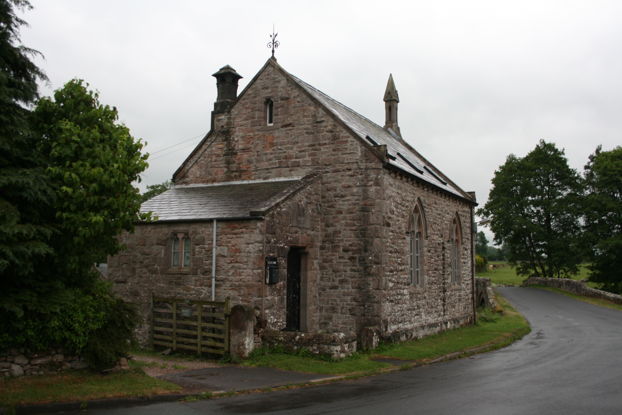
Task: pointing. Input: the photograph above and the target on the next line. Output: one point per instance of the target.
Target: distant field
(504, 274)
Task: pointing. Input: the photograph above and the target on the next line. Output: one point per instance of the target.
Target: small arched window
(180, 250)
(416, 238)
(269, 112)
(455, 246)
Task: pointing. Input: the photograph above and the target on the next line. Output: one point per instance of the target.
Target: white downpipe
(214, 247)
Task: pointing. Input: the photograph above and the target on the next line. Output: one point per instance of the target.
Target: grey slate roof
(400, 155)
(233, 200)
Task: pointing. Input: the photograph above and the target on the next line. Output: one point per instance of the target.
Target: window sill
(178, 270)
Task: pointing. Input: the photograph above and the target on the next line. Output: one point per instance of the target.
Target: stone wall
(484, 295)
(577, 287)
(303, 138)
(18, 363)
(143, 270)
(410, 310)
(335, 345)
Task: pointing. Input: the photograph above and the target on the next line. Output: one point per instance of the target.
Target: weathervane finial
(273, 44)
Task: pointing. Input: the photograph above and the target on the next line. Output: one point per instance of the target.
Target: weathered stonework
(438, 303)
(349, 220)
(241, 331)
(334, 345)
(15, 363)
(484, 294)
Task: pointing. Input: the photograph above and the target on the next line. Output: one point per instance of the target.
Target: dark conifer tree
(24, 189)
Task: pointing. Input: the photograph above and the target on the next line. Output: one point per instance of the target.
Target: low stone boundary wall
(17, 363)
(484, 295)
(573, 286)
(335, 345)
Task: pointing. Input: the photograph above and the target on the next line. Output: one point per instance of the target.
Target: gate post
(241, 331)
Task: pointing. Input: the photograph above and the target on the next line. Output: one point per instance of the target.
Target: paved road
(571, 363)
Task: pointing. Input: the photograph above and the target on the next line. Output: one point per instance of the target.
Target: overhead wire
(172, 151)
(175, 145)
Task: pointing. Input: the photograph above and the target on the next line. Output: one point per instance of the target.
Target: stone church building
(322, 221)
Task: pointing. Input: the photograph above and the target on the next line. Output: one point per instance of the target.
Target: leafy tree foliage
(92, 162)
(480, 263)
(155, 189)
(603, 217)
(496, 254)
(481, 244)
(534, 208)
(24, 188)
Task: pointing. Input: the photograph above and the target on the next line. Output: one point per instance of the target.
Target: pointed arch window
(455, 249)
(269, 112)
(415, 242)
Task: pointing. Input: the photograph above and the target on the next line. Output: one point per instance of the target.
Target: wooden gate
(196, 326)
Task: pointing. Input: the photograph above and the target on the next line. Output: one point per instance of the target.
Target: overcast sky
(477, 80)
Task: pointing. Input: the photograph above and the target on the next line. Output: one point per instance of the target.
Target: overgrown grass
(80, 385)
(591, 300)
(505, 274)
(493, 330)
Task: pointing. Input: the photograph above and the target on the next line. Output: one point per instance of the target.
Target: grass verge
(308, 363)
(492, 331)
(80, 386)
(591, 300)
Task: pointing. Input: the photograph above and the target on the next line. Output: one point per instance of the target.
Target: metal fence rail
(196, 326)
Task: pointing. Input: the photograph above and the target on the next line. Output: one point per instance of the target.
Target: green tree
(92, 163)
(66, 173)
(24, 188)
(495, 254)
(481, 244)
(603, 217)
(534, 209)
(155, 189)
